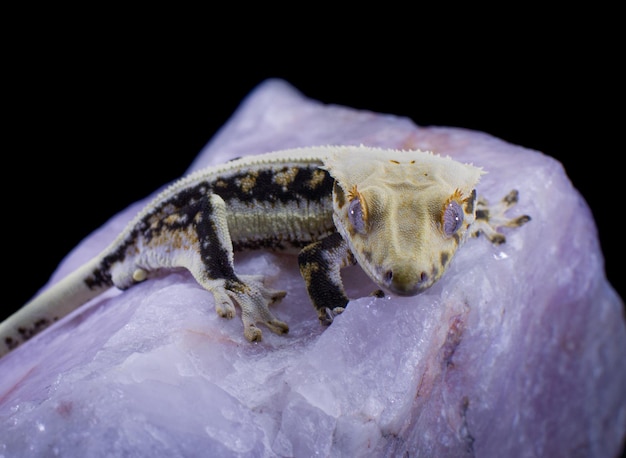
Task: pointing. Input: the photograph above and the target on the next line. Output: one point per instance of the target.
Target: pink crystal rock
(518, 350)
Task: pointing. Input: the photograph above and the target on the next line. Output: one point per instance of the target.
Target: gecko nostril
(388, 277)
(423, 277)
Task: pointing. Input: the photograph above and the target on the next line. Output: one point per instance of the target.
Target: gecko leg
(320, 264)
(196, 237)
(489, 218)
(216, 273)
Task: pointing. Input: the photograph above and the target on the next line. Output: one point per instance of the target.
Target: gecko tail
(54, 303)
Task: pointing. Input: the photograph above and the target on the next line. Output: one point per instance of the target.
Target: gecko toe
(327, 315)
(225, 310)
(224, 305)
(277, 296)
(252, 333)
(278, 327)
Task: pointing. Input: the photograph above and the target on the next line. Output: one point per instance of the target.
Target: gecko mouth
(402, 284)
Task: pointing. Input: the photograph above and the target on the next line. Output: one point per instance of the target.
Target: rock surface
(518, 350)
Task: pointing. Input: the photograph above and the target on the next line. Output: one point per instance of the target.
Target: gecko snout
(406, 282)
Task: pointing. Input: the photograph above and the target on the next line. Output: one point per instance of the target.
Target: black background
(97, 121)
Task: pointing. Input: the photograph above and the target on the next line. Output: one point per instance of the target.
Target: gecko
(401, 215)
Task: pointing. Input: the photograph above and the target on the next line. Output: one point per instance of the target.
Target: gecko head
(403, 213)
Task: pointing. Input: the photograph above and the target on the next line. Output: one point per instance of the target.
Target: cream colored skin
(400, 215)
(404, 195)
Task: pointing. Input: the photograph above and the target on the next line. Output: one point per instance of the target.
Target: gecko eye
(452, 218)
(356, 215)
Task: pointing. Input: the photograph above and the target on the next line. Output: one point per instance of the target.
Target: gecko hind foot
(254, 309)
(254, 299)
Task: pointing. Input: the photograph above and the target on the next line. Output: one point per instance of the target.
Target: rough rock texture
(518, 350)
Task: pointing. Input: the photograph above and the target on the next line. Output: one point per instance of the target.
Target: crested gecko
(401, 215)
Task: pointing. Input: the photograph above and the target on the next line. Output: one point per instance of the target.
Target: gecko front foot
(327, 315)
(490, 217)
(254, 299)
